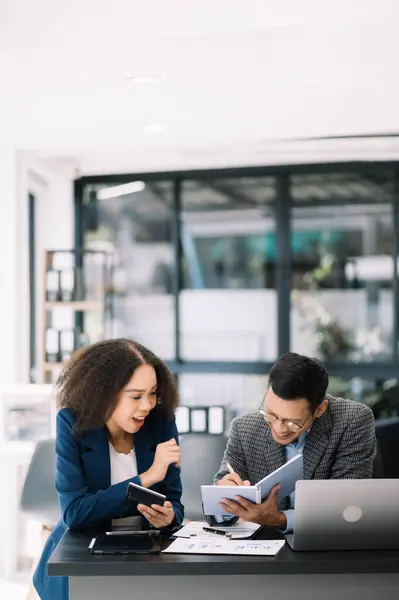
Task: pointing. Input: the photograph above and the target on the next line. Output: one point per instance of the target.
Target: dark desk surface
(72, 558)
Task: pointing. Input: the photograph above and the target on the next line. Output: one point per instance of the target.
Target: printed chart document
(286, 476)
(239, 531)
(230, 547)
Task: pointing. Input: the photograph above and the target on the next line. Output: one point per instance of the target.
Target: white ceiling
(237, 78)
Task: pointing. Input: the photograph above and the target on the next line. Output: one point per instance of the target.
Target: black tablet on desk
(125, 543)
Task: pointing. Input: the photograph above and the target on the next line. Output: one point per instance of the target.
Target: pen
(230, 468)
(134, 532)
(216, 531)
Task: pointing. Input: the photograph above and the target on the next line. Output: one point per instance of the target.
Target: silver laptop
(346, 514)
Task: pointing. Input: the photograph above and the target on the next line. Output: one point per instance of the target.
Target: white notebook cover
(287, 476)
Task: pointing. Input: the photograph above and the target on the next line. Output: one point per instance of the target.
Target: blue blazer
(85, 493)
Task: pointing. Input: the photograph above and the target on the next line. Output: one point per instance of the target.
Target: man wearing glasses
(335, 436)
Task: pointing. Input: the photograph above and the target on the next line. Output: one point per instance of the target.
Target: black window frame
(283, 205)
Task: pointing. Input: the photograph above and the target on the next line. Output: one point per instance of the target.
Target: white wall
(8, 266)
(54, 230)
(19, 175)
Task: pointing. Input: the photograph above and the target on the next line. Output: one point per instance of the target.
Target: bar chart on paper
(230, 547)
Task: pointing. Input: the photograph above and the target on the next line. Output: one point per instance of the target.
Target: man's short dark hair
(295, 376)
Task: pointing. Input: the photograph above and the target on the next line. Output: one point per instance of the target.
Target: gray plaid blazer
(340, 445)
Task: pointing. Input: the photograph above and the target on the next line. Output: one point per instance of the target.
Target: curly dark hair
(91, 382)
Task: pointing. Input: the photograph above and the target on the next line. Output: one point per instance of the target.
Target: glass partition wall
(221, 272)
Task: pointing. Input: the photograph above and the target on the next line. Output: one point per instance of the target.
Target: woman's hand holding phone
(167, 453)
(158, 516)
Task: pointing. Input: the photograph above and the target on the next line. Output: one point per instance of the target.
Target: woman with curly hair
(115, 425)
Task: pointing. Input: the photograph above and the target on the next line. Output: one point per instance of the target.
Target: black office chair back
(201, 455)
(39, 498)
(387, 431)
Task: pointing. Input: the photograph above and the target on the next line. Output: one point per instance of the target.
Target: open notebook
(286, 476)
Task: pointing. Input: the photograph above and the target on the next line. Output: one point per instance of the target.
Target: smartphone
(141, 495)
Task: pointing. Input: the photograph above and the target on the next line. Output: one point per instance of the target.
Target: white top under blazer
(123, 467)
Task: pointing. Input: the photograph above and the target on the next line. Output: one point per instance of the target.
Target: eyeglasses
(271, 418)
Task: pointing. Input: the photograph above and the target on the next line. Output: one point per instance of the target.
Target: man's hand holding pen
(232, 478)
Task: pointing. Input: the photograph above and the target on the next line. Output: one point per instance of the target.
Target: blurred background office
(217, 180)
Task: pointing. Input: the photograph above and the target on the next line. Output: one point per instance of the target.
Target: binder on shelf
(63, 259)
(79, 285)
(67, 282)
(67, 344)
(52, 348)
(52, 285)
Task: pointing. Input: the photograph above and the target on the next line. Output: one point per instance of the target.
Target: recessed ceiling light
(155, 128)
(121, 190)
(144, 80)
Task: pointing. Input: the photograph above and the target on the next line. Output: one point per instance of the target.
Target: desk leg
(260, 587)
